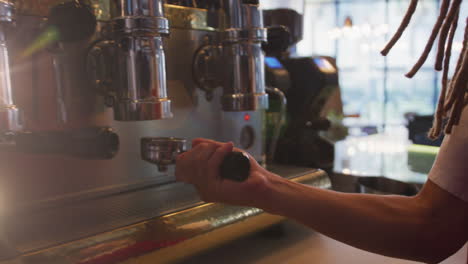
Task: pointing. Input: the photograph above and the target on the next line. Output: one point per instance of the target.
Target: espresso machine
(97, 98)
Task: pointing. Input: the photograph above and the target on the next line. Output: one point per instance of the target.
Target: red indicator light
(246, 117)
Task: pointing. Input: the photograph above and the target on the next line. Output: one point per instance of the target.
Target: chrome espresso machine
(97, 98)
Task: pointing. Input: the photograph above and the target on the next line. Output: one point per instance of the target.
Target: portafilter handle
(163, 151)
(235, 167)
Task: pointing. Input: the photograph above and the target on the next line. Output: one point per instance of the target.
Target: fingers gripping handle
(235, 167)
(163, 151)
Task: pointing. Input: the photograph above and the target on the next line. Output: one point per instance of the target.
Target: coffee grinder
(307, 82)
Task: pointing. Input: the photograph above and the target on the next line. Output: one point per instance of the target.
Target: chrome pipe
(7, 10)
(126, 8)
(140, 75)
(9, 113)
(233, 13)
(244, 74)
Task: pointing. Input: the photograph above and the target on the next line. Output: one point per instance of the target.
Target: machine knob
(74, 21)
(235, 167)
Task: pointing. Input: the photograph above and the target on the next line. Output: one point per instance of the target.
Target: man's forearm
(428, 227)
(395, 226)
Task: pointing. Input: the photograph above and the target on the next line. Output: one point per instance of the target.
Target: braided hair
(453, 95)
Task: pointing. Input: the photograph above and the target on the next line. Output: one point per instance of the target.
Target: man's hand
(200, 167)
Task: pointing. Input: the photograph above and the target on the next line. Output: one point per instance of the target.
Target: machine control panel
(246, 130)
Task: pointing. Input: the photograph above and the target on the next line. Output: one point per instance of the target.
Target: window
(374, 87)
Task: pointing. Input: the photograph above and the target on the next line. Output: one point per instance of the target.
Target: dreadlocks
(453, 95)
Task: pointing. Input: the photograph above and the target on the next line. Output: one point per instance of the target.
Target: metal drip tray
(154, 220)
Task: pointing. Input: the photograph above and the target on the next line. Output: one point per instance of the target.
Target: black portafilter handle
(235, 167)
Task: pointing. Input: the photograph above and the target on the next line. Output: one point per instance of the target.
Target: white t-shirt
(450, 170)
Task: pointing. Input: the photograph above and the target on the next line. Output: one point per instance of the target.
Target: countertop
(297, 245)
(384, 154)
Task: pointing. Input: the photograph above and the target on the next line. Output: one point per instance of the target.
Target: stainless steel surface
(251, 16)
(140, 74)
(150, 234)
(254, 34)
(206, 69)
(35, 83)
(7, 9)
(141, 24)
(9, 113)
(233, 13)
(75, 98)
(162, 151)
(138, 8)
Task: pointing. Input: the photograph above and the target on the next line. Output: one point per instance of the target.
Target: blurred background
(374, 89)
